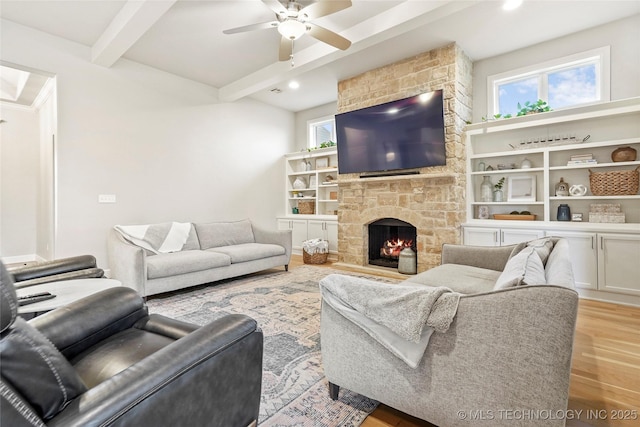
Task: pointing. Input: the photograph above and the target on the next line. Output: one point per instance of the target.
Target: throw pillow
(517, 248)
(37, 370)
(543, 247)
(523, 269)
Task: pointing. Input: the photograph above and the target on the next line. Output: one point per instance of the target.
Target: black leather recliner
(104, 361)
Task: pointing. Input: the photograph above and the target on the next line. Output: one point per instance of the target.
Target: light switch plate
(106, 198)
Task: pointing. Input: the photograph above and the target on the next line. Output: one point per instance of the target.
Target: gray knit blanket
(401, 317)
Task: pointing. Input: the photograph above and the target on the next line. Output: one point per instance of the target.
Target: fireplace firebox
(387, 237)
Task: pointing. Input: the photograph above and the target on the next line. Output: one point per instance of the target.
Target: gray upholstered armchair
(104, 361)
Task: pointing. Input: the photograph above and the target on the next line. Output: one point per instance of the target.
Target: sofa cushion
(523, 269)
(166, 265)
(558, 270)
(464, 279)
(249, 251)
(216, 234)
(543, 247)
(37, 370)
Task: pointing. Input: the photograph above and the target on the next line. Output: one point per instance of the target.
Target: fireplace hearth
(387, 237)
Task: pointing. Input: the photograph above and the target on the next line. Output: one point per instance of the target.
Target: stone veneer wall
(434, 200)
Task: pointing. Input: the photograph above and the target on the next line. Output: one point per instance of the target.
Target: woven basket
(306, 207)
(614, 183)
(317, 258)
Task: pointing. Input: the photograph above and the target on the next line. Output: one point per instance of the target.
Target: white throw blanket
(158, 238)
(401, 317)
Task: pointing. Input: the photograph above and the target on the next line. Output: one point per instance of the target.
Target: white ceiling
(184, 37)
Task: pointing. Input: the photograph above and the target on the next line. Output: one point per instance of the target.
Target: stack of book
(581, 159)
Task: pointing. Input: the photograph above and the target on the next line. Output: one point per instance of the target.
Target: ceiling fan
(293, 21)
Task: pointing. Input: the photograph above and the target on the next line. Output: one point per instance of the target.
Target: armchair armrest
(78, 267)
(81, 324)
(277, 237)
(214, 375)
(127, 262)
(491, 257)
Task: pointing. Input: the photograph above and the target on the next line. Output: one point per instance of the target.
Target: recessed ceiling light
(294, 84)
(511, 4)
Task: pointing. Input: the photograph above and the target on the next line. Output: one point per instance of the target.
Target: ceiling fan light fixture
(292, 29)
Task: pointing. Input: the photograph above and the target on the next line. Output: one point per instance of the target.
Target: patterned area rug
(286, 306)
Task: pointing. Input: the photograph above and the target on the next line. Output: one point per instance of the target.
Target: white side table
(66, 291)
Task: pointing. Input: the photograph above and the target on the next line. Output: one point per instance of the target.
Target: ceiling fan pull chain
(292, 64)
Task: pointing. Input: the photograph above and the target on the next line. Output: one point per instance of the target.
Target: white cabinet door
(510, 236)
(298, 229)
(327, 230)
(619, 263)
(480, 236)
(584, 257)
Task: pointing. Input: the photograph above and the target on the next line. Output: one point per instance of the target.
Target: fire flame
(392, 248)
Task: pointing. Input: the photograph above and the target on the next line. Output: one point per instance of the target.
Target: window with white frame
(321, 131)
(566, 82)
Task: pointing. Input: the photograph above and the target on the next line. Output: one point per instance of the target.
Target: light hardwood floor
(605, 373)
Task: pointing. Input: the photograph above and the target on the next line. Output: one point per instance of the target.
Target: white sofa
(212, 252)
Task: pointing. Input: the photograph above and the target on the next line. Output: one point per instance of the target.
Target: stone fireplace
(432, 201)
(386, 238)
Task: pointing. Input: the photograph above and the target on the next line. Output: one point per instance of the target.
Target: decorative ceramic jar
(525, 164)
(498, 196)
(486, 189)
(481, 166)
(562, 188)
(407, 263)
(564, 213)
(624, 154)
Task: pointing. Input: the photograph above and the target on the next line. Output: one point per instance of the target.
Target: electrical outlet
(106, 198)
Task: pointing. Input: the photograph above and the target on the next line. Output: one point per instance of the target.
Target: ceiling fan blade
(323, 8)
(328, 36)
(276, 6)
(286, 49)
(261, 26)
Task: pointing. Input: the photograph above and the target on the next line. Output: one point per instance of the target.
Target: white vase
(498, 196)
(486, 189)
(299, 183)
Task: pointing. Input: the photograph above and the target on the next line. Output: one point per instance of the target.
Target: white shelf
(507, 171)
(578, 198)
(507, 203)
(595, 165)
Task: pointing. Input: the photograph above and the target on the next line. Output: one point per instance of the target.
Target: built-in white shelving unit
(605, 255)
(318, 169)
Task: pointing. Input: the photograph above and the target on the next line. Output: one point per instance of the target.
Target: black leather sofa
(104, 361)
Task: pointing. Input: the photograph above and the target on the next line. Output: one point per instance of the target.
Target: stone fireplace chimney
(433, 200)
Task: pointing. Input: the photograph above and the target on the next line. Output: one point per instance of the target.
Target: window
(321, 130)
(571, 81)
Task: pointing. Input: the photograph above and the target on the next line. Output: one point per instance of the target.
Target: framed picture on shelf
(322, 163)
(521, 188)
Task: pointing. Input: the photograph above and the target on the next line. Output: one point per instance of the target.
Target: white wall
(19, 148)
(302, 117)
(622, 36)
(165, 146)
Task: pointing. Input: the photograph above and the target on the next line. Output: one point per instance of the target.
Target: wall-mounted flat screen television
(403, 134)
